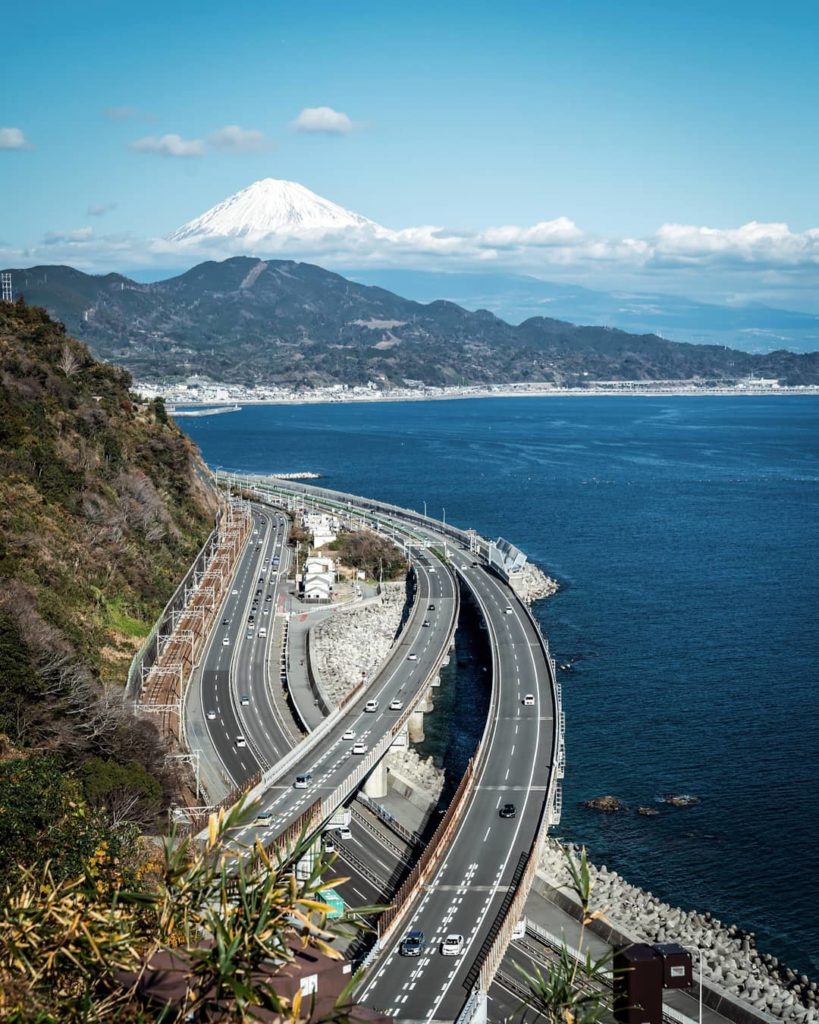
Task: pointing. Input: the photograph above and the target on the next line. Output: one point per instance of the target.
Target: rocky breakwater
(352, 644)
(531, 584)
(731, 961)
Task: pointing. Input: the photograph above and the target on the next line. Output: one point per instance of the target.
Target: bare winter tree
(68, 361)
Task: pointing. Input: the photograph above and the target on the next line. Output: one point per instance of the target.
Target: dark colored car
(431, 608)
(412, 944)
(508, 811)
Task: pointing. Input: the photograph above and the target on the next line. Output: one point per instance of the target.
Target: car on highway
(412, 657)
(241, 741)
(348, 734)
(226, 641)
(507, 610)
(453, 945)
(344, 833)
(508, 811)
(263, 817)
(412, 944)
(425, 622)
(432, 569)
(396, 705)
(359, 747)
(262, 632)
(234, 592)
(370, 706)
(225, 622)
(430, 607)
(210, 715)
(529, 700)
(265, 611)
(302, 781)
(269, 597)
(328, 845)
(244, 700)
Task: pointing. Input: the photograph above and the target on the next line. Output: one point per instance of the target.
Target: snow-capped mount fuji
(272, 208)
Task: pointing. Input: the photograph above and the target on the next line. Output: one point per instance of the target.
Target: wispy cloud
(240, 140)
(100, 209)
(322, 121)
(13, 138)
(169, 145)
(68, 237)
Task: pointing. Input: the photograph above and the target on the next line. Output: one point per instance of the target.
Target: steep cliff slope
(103, 503)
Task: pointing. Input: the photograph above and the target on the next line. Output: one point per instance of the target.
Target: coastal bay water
(684, 532)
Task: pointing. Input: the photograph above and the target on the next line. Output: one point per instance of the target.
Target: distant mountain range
(252, 321)
(516, 297)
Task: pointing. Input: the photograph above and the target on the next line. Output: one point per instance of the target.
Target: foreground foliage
(64, 944)
(574, 989)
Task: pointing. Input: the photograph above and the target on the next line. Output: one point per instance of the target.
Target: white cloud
(13, 138)
(169, 145)
(239, 139)
(545, 233)
(100, 209)
(322, 120)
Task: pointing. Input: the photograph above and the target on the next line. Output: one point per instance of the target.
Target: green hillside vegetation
(103, 505)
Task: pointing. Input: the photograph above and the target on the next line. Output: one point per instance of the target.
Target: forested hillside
(103, 504)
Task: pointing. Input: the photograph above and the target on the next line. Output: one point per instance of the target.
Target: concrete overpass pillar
(425, 703)
(415, 727)
(436, 681)
(376, 785)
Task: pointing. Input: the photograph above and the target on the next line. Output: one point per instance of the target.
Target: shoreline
(190, 406)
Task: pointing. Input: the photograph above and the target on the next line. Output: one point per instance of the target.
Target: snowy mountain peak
(271, 207)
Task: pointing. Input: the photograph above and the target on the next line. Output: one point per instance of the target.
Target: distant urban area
(200, 392)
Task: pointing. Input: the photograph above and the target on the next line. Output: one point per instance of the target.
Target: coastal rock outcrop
(608, 804)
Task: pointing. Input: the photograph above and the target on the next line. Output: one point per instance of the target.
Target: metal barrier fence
(163, 668)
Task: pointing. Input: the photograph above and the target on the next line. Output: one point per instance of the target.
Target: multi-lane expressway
(236, 700)
(470, 889)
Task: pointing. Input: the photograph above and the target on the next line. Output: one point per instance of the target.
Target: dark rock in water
(680, 800)
(648, 812)
(607, 804)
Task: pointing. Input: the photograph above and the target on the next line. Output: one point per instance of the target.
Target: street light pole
(425, 510)
(700, 1001)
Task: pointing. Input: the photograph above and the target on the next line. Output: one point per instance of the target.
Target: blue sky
(622, 117)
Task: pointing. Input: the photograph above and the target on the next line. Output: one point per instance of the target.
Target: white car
(348, 734)
(359, 747)
(328, 845)
(412, 657)
(508, 609)
(210, 715)
(370, 706)
(263, 631)
(453, 945)
(226, 641)
(234, 592)
(396, 705)
(244, 700)
(529, 700)
(302, 781)
(241, 741)
(344, 833)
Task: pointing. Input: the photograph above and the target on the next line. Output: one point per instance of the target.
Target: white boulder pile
(419, 772)
(353, 644)
(531, 584)
(730, 957)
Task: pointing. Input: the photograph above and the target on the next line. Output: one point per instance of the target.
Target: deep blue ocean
(684, 532)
